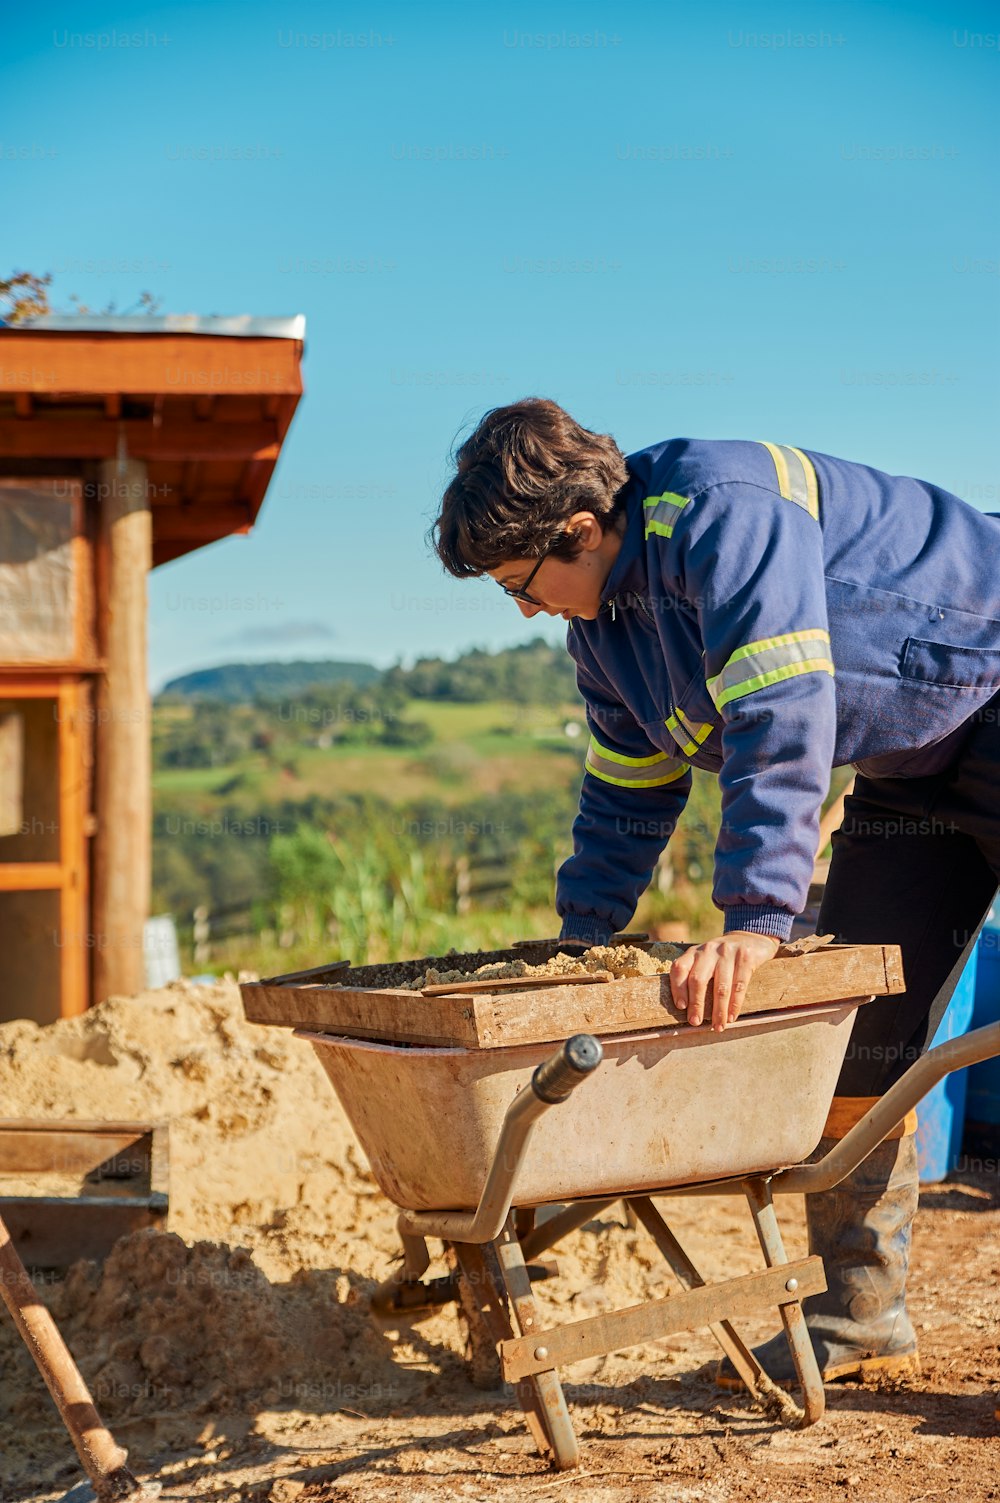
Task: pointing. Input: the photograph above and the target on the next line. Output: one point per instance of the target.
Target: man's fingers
(721, 991)
(742, 972)
(701, 975)
(678, 983)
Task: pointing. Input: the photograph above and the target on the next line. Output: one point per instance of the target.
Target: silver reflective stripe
(632, 772)
(769, 661)
(661, 512)
(796, 476)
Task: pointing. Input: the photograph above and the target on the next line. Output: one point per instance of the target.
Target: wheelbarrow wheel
(481, 1359)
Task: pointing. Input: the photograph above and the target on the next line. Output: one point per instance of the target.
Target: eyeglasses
(520, 592)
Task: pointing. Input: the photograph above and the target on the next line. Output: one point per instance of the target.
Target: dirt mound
(201, 1329)
(256, 1297)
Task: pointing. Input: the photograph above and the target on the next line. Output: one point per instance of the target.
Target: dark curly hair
(526, 469)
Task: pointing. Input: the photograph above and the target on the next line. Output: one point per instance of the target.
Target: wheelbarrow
(472, 1142)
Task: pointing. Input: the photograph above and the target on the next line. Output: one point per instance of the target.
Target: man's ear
(586, 529)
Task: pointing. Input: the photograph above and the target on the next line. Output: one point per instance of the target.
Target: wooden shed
(124, 443)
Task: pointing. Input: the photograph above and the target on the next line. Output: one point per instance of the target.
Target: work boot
(861, 1229)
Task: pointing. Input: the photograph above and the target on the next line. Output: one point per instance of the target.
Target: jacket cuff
(757, 918)
(587, 927)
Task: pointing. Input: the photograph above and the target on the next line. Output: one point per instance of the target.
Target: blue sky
(760, 221)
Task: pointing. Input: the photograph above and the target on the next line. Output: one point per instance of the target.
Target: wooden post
(201, 951)
(73, 894)
(122, 856)
(463, 885)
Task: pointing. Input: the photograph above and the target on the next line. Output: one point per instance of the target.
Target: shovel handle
(103, 1460)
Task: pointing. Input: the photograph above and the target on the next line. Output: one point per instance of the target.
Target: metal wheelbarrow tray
(451, 1099)
(428, 1119)
(650, 1119)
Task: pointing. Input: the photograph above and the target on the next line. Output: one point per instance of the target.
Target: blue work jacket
(773, 613)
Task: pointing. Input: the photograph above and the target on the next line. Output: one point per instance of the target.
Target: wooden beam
(190, 477)
(77, 438)
(31, 876)
(122, 843)
(74, 905)
(172, 523)
(175, 364)
(254, 482)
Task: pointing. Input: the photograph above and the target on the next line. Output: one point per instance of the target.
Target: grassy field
(497, 778)
(477, 749)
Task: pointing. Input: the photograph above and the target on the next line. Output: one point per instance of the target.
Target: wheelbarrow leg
(758, 1193)
(772, 1399)
(562, 1438)
(476, 1269)
(480, 1266)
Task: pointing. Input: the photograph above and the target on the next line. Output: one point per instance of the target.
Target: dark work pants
(916, 863)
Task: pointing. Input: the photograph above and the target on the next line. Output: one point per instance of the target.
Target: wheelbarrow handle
(556, 1079)
(552, 1082)
(865, 1136)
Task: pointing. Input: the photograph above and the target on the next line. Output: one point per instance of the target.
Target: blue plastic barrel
(941, 1114)
(983, 1100)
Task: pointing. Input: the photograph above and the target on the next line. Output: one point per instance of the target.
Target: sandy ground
(236, 1358)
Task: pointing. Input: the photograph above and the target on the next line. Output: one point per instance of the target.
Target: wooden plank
(314, 973)
(54, 1231)
(632, 1004)
(403, 1016)
(643, 1002)
(513, 984)
(894, 981)
(31, 876)
(175, 364)
(198, 521)
(31, 1147)
(82, 438)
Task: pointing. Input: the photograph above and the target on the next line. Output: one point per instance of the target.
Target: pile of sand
(256, 1297)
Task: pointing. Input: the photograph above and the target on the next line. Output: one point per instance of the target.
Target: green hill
(241, 683)
(534, 672)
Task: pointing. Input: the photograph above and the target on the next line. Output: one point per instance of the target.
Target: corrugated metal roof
(240, 324)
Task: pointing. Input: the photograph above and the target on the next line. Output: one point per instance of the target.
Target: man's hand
(730, 962)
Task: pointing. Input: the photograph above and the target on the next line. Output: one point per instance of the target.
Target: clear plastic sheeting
(237, 325)
(11, 772)
(38, 584)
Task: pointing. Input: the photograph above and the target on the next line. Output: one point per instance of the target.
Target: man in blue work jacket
(768, 613)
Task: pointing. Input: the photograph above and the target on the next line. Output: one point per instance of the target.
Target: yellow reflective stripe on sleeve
(632, 772)
(796, 476)
(686, 733)
(769, 661)
(661, 512)
(811, 484)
